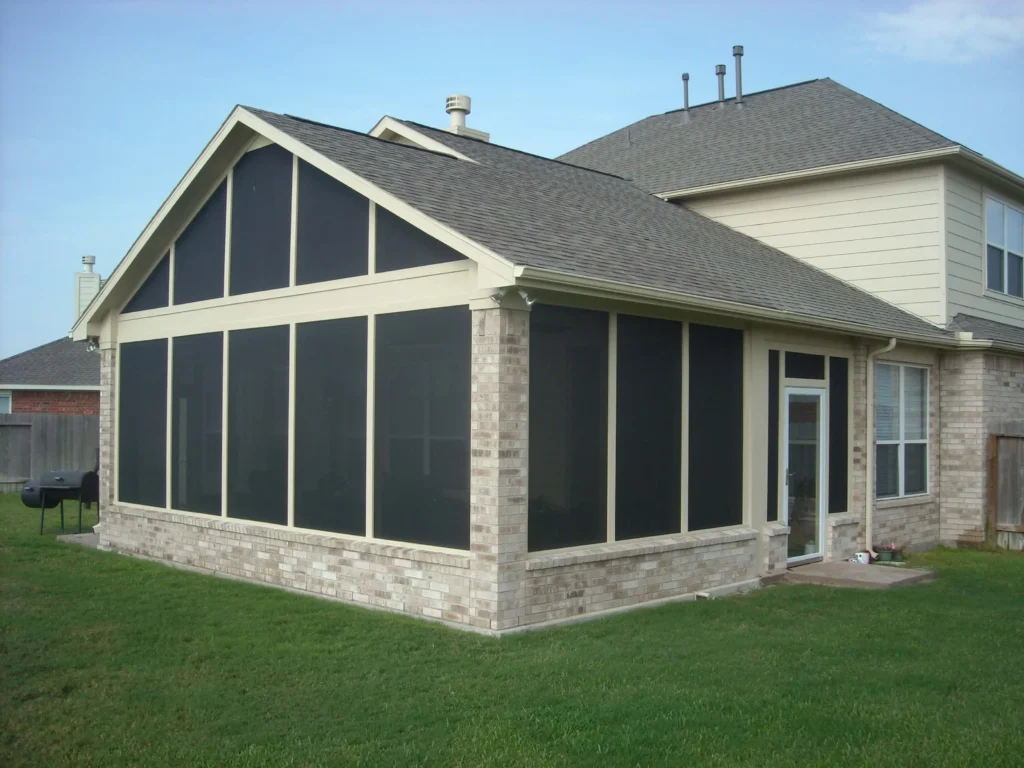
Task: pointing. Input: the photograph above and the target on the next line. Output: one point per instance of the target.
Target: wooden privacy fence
(34, 443)
(1005, 524)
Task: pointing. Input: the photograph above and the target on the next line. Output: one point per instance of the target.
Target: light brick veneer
(844, 536)
(107, 437)
(981, 393)
(775, 547)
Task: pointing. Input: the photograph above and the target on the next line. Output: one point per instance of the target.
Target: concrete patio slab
(90, 540)
(846, 574)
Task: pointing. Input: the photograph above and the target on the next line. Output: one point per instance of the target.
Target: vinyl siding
(880, 231)
(965, 249)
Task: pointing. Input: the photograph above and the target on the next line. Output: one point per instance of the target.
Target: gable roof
(988, 330)
(60, 363)
(814, 124)
(555, 217)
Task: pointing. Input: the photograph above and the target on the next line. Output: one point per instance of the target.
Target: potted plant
(889, 553)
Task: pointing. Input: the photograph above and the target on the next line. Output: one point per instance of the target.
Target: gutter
(534, 277)
(869, 482)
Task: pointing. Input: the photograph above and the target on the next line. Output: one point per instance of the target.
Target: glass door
(805, 474)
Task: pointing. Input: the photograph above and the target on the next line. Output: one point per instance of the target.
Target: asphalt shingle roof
(807, 125)
(60, 363)
(988, 330)
(540, 213)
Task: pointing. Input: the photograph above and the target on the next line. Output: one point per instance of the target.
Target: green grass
(112, 661)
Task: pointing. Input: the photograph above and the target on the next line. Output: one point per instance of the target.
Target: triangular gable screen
(332, 235)
(153, 293)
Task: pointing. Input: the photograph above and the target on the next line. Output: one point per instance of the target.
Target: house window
(1004, 238)
(901, 430)
(5, 402)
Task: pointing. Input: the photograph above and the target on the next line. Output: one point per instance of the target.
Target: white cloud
(948, 30)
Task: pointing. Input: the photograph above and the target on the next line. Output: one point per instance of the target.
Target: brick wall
(68, 402)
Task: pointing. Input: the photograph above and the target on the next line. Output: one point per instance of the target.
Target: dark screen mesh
(196, 423)
(773, 434)
(153, 292)
(716, 427)
(142, 423)
(261, 215)
(199, 252)
(838, 433)
(258, 424)
(401, 246)
(648, 426)
(330, 425)
(422, 409)
(568, 427)
(333, 229)
(803, 366)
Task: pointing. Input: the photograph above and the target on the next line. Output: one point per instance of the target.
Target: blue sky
(104, 105)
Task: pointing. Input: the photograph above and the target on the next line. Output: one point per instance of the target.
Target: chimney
(686, 97)
(87, 285)
(737, 52)
(458, 106)
(720, 72)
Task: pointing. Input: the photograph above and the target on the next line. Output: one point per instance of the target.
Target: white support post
(371, 336)
(168, 477)
(613, 386)
(224, 427)
(294, 238)
(371, 263)
(227, 232)
(684, 448)
(291, 424)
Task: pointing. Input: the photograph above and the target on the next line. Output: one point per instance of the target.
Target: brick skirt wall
(70, 402)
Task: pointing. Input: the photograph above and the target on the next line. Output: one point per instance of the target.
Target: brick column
(498, 482)
(108, 438)
(963, 451)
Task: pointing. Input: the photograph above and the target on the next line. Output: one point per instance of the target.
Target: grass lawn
(111, 661)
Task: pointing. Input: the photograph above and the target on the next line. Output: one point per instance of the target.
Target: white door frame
(822, 394)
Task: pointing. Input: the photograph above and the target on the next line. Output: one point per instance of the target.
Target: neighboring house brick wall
(965, 253)
(878, 230)
(55, 401)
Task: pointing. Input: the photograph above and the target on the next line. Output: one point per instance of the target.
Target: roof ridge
(513, 149)
(745, 96)
(891, 114)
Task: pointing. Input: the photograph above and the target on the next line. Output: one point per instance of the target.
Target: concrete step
(846, 574)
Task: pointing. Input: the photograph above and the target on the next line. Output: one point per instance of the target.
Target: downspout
(869, 491)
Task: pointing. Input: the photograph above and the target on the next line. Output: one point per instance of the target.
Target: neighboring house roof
(61, 363)
(808, 125)
(539, 213)
(988, 330)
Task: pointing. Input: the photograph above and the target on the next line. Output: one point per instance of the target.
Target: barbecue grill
(55, 488)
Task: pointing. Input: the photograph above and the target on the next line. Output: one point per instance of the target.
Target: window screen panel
(887, 402)
(716, 427)
(153, 293)
(400, 245)
(333, 229)
(199, 252)
(422, 412)
(773, 434)
(994, 268)
(915, 403)
(803, 366)
(915, 468)
(197, 392)
(838, 433)
(330, 425)
(142, 423)
(568, 457)
(1014, 275)
(648, 429)
(261, 214)
(887, 470)
(258, 424)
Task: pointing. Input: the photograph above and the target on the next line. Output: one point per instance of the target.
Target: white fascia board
(49, 387)
(487, 258)
(388, 125)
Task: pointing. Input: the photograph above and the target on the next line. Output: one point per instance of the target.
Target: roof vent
(737, 52)
(720, 73)
(458, 106)
(686, 97)
(87, 284)
(88, 263)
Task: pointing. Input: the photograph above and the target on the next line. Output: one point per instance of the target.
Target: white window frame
(903, 442)
(1005, 247)
(10, 400)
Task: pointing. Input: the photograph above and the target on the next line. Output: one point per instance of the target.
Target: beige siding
(880, 231)
(965, 249)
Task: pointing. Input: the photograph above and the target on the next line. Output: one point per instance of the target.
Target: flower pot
(897, 557)
(885, 556)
